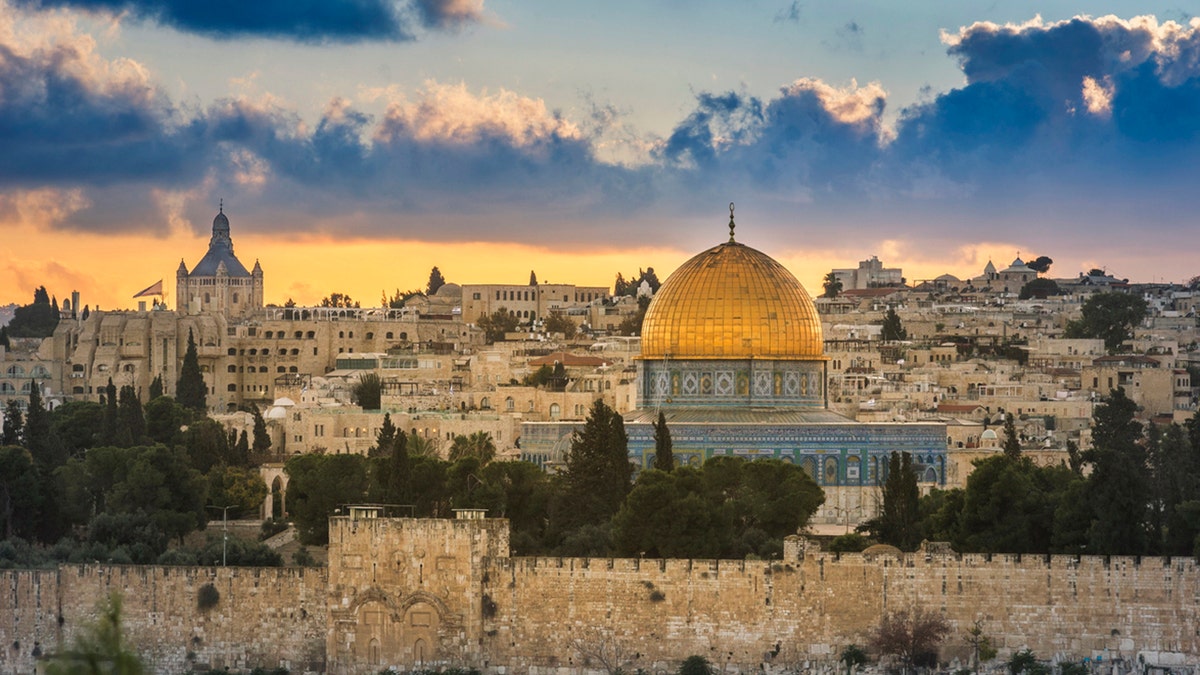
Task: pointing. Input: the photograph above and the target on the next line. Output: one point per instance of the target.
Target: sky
(355, 144)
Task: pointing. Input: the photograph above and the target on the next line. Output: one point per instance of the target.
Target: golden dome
(732, 302)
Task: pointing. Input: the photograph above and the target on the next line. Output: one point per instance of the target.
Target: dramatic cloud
(300, 20)
(1085, 125)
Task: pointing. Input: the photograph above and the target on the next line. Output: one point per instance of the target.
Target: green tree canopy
(319, 484)
(598, 473)
(893, 329)
(496, 325)
(36, 320)
(1111, 317)
(898, 522)
(1039, 288)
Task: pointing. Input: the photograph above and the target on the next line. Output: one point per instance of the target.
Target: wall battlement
(421, 592)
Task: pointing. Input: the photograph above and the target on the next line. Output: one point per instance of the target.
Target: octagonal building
(732, 355)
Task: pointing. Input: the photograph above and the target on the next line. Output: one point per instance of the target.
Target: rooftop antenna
(731, 224)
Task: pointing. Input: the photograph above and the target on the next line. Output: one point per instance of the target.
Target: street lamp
(224, 528)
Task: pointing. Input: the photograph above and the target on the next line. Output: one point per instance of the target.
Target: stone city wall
(265, 617)
(432, 593)
(549, 613)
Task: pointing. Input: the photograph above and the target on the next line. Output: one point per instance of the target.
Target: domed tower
(219, 282)
(732, 328)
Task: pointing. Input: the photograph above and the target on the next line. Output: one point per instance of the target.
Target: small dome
(284, 402)
(275, 413)
(988, 435)
(449, 291)
(221, 222)
(732, 302)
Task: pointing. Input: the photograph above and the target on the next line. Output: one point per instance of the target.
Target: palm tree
(478, 445)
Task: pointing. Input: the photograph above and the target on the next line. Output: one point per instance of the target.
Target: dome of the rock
(732, 302)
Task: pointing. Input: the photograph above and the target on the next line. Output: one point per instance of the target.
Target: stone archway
(276, 479)
(377, 633)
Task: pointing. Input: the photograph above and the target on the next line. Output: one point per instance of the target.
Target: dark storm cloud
(1078, 120)
(300, 20)
(58, 127)
(811, 136)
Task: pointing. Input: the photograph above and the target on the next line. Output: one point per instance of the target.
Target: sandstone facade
(415, 592)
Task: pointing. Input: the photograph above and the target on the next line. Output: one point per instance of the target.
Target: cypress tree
(156, 387)
(262, 439)
(131, 419)
(898, 523)
(664, 459)
(386, 438)
(1012, 445)
(14, 424)
(190, 391)
(1119, 485)
(241, 450)
(399, 482)
(108, 423)
(40, 440)
(598, 473)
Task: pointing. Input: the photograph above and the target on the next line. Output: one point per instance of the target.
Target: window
(232, 352)
(232, 387)
(555, 411)
(389, 335)
(370, 336)
(509, 404)
(232, 369)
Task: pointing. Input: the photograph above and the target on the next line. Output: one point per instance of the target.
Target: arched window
(485, 403)
(231, 351)
(403, 336)
(831, 471)
(40, 371)
(292, 369)
(235, 297)
(555, 411)
(370, 336)
(510, 404)
(207, 298)
(295, 352)
(77, 368)
(280, 369)
(232, 369)
(389, 335)
(297, 335)
(16, 371)
(341, 333)
(232, 387)
(310, 335)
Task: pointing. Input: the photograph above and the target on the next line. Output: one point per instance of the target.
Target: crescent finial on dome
(731, 224)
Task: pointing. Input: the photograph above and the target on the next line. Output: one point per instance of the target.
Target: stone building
(527, 302)
(870, 273)
(219, 283)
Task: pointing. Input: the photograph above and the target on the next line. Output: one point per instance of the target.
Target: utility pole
(224, 529)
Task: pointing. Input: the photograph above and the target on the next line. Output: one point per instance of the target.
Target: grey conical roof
(220, 250)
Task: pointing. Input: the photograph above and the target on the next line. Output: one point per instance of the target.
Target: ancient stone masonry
(416, 592)
(261, 617)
